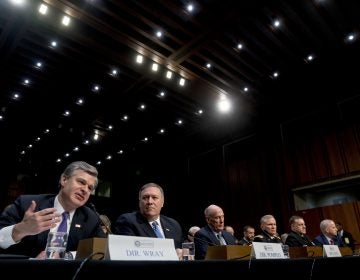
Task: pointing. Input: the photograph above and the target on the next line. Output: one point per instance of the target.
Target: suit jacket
(135, 224)
(322, 240)
(85, 224)
(205, 237)
(348, 239)
(296, 240)
(266, 237)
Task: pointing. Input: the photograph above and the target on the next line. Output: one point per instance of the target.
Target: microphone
(103, 221)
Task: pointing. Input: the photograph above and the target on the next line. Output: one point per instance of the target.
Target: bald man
(213, 234)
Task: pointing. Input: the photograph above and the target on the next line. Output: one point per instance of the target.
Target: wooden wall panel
(336, 160)
(350, 146)
(305, 174)
(319, 158)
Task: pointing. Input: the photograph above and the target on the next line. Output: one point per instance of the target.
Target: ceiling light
(139, 59)
(66, 21)
(155, 67)
(182, 82)
(169, 74)
(161, 94)
(53, 44)
(18, 2)
(80, 101)
(223, 104)
(43, 9)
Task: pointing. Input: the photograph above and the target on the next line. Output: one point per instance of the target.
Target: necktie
(332, 242)
(221, 239)
(157, 230)
(63, 225)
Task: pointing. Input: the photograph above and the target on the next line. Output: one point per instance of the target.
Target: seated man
(25, 224)
(328, 234)
(213, 233)
(148, 221)
(269, 230)
(249, 233)
(297, 237)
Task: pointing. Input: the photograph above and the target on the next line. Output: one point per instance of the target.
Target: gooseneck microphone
(104, 222)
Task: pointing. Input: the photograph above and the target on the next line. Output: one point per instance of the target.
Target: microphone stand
(102, 222)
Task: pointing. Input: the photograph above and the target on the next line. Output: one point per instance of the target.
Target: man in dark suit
(346, 237)
(25, 224)
(213, 233)
(297, 236)
(141, 223)
(328, 234)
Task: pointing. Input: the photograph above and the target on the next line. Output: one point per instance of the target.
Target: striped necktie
(156, 228)
(221, 239)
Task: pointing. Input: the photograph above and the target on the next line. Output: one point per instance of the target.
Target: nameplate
(263, 250)
(331, 251)
(136, 248)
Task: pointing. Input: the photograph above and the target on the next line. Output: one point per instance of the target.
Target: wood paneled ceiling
(104, 35)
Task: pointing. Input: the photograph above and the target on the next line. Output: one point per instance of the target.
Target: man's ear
(62, 181)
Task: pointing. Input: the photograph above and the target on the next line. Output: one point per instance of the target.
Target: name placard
(263, 250)
(331, 251)
(132, 248)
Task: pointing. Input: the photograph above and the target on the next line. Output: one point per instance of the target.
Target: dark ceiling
(108, 34)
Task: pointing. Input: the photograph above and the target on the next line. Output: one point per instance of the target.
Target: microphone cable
(312, 269)
(84, 261)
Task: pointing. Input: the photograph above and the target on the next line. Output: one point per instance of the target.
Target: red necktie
(332, 242)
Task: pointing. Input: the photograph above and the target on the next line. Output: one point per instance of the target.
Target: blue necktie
(157, 230)
(63, 225)
(221, 239)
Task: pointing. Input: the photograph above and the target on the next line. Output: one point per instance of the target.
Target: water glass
(188, 251)
(56, 245)
(285, 249)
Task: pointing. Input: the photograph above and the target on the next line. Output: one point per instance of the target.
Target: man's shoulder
(168, 219)
(36, 197)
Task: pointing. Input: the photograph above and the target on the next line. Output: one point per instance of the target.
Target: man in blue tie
(24, 226)
(213, 233)
(148, 221)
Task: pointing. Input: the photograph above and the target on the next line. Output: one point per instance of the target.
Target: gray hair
(265, 218)
(324, 225)
(80, 165)
(149, 185)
